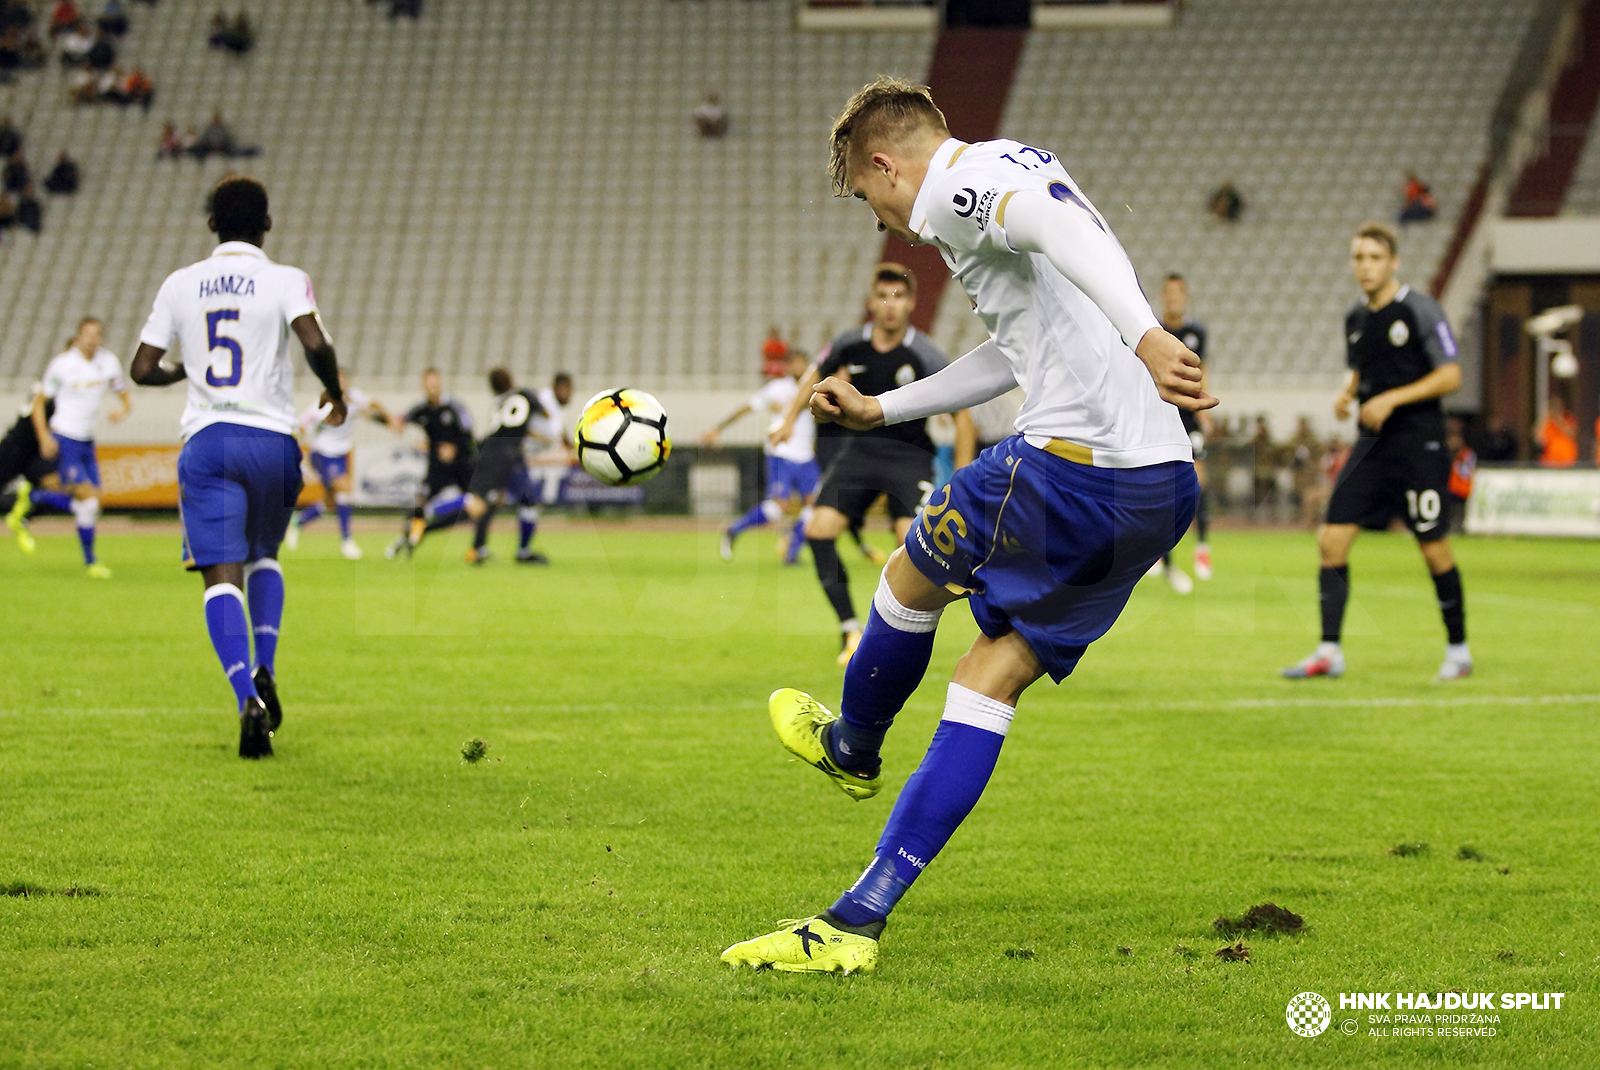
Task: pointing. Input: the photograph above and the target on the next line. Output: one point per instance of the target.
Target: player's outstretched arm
(783, 431)
(323, 363)
(979, 376)
(147, 369)
(1073, 240)
(713, 437)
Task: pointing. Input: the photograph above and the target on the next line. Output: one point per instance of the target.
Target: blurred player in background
(21, 461)
(791, 464)
(502, 471)
(76, 381)
(239, 471)
(548, 454)
(332, 448)
(447, 425)
(1045, 535)
(1192, 333)
(893, 461)
(1402, 360)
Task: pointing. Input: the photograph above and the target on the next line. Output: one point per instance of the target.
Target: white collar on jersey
(238, 248)
(943, 157)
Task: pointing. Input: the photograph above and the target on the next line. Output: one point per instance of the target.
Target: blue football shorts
(329, 468)
(76, 463)
(238, 487)
(1047, 547)
(791, 479)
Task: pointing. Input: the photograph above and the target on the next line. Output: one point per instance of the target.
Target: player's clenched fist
(1175, 369)
(835, 401)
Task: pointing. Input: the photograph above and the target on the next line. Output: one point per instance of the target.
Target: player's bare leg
(1333, 584)
(481, 513)
(1452, 607)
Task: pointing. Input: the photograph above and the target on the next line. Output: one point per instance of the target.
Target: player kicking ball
(1402, 360)
(1045, 534)
(239, 470)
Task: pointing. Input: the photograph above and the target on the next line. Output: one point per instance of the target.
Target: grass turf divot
(1267, 918)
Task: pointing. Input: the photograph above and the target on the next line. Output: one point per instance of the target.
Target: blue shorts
(328, 468)
(791, 479)
(76, 462)
(1050, 548)
(238, 487)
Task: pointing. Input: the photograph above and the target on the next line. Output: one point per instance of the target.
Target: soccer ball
(622, 437)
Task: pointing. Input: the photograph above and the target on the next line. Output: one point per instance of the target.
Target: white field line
(1443, 702)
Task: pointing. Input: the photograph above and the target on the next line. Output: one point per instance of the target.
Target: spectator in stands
(64, 177)
(711, 118)
(113, 18)
(84, 86)
(64, 18)
(1315, 505)
(1419, 205)
(8, 211)
(75, 44)
(30, 213)
(10, 137)
(774, 354)
(1500, 443)
(102, 55)
(1463, 467)
(217, 139)
(236, 34)
(1266, 462)
(17, 174)
(20, 49)
(171, 146)
(1558, 436)
(1226, 203)
(412, 8)
(1305, 462)
(135, 87)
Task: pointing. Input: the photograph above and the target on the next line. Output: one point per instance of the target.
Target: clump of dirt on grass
(1269, 918)
(1408, 850)
(1019, 952)
(1468, 853)
(29, 890)
(1233, 953)
(474, 750)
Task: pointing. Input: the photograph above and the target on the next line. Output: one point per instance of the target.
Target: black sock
(480, 536)
(445, 521)
(1202, 519)
(1334, 584)
(1452, 604)
(834, 579)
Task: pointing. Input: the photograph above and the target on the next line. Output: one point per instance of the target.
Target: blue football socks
(230, 635)
(527, 524)
(263, 581)
(52, 499)
(885, 670)
(342, 505)
(310, 513)
(934, 802)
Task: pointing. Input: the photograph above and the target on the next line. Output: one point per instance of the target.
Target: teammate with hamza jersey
(791, 464)
(1402, 360)
(76, 381)
(1045, 535)
(232, 315)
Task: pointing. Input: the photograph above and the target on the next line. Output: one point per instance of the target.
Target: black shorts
(19, 456)
(869, 467)
(499, 465)
(1405, 475)
(458, 473)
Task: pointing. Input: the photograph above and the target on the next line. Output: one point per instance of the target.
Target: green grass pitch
(369, 899)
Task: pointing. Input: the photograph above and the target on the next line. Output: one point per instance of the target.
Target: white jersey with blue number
(773, 399)
(230, 316)
(1081, 381)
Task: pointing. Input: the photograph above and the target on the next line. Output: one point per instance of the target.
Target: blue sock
(753, 519)
(264, 582)
(934, 802)
(344, 519)
(53, 499)
(885, 670)
(440, 508)
(310, 513)
(797, 539)
(527, 524)
(86, 539)
(230, 635)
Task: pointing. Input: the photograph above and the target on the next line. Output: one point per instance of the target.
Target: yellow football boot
(810, 945)
(97, 571)
(17, 519)
(800, 721)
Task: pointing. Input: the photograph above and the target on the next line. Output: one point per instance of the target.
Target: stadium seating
(479, 188)
(1315, 110)
(1583, 196)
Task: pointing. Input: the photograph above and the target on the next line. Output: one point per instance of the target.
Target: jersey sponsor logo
(965, 201)
(986, 207)
(905, 375)
(238, 285)
(1399, 333)
(1355, 336)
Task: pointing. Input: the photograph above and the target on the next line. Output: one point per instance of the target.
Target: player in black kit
(1402, 360)
(21, 460)
(501, 468)
(447, 425)
(1192, 333)
(895, 461)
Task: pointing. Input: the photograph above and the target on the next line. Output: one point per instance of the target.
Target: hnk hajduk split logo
(1308, 1014)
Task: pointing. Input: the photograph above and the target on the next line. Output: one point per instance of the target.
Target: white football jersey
(331, 441)
(78, 383)
(1080, 380)
(230, 315)
(773, 399)
(551, 425)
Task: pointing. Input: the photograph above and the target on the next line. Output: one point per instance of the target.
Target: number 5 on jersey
(222, 341)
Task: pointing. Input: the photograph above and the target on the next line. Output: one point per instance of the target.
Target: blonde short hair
(887, 110)
(1382, 233)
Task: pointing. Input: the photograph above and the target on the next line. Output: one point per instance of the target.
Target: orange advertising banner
(138, 477)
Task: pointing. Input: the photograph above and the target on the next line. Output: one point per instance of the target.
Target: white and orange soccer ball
(621, 437)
